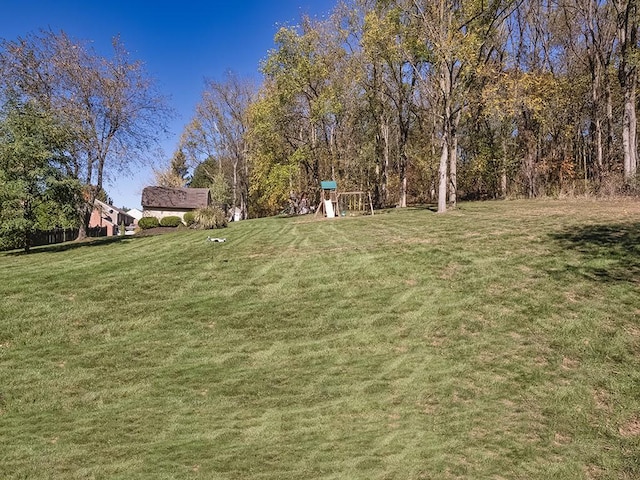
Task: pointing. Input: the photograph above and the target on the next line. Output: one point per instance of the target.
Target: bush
(210, 217)
(171, 221)
(189, 219)
(148, 222)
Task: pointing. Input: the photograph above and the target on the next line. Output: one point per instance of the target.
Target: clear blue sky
(181, 43)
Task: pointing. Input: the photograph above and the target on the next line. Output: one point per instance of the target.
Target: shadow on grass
(63, 247)
(431, 207)
(611, 252)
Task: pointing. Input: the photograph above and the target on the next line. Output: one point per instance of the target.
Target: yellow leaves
(512, 93)
(380, 36)
(271, 183)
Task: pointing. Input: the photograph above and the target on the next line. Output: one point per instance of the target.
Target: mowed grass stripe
(498, 341)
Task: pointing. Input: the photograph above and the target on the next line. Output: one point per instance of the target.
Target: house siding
(167, 212)
(97, 221)
(107, 216)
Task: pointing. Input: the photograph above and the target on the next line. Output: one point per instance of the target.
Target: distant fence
(60, 235)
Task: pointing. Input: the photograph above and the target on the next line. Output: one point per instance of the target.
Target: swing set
(340, 204)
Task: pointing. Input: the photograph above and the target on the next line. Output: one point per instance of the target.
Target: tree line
(431, 101)
(414, 101)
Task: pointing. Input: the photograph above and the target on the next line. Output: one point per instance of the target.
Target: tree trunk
(599, 149)
(532, 175)
(85, 218)
(403, 180)
(442, 175)
(453, 169)
(402, 167)
(382, 164)
(447, 133)
(503, 170)
(609, 127)
(234, 192)
(627, 75)
(596, 123)
(29, 221)
(244, 196)
(629, 135)
(633, 128)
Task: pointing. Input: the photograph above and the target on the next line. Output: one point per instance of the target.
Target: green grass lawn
(498, 341)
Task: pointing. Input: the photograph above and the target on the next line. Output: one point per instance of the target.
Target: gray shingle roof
(180, 198)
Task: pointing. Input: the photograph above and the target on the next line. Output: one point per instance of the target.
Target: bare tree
(111, 104)
(218, 131)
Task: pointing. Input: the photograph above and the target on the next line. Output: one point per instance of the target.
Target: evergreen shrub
(148, 222)
(189, 219)
(171, 221)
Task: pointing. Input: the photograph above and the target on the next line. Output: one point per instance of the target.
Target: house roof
(112, 215)
(181, 198)
(109, 210)
(135, 213)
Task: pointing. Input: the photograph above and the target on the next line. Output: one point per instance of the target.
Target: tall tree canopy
(35, 193)
(109, 104)
(216, 142)
(420, 101)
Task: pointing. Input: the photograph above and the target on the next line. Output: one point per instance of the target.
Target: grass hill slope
(501, 340)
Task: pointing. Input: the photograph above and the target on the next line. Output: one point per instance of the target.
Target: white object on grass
(212, 239)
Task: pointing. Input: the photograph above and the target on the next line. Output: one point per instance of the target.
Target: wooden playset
(340, 204)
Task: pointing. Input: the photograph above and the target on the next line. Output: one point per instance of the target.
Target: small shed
(162, 202)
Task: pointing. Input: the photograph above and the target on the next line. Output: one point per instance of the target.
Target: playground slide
(328, 208)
